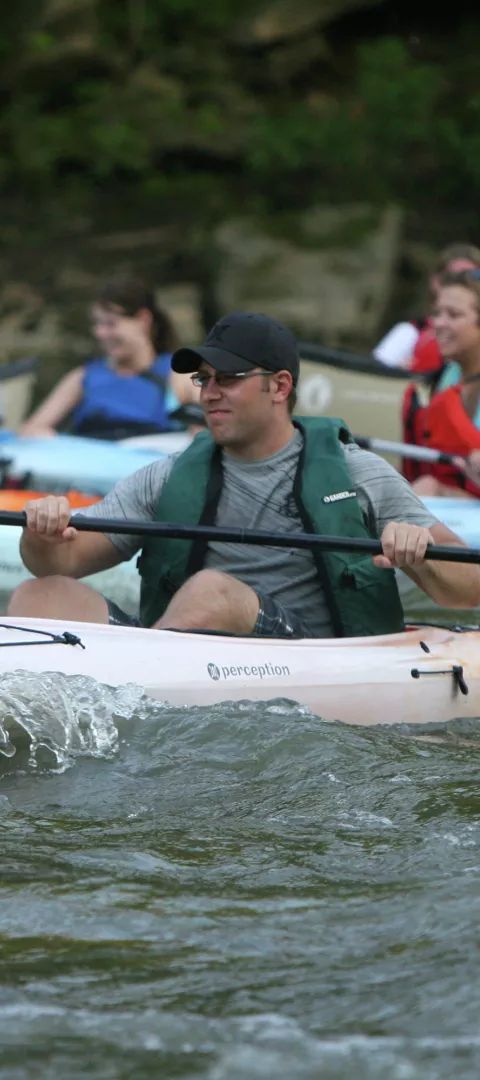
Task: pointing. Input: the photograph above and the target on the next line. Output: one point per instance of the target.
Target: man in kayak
(255, 467)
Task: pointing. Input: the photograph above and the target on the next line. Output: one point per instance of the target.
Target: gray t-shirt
(259, 495)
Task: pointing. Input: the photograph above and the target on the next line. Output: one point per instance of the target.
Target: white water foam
(58, 717)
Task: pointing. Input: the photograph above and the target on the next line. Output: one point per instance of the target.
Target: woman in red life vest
(129, 389)
(451, 421)
(413, 345)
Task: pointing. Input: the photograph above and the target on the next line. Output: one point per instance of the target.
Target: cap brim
(188, 360)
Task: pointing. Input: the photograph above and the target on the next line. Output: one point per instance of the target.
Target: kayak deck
(427, 674)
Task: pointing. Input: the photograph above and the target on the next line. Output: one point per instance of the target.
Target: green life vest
(362, 599)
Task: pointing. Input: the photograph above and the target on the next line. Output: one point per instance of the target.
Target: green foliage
(399, 101)
(369, 142)
(162, 98)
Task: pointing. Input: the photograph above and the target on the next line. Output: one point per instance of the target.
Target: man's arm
(405, 526)
(49, 545)
(448, 584)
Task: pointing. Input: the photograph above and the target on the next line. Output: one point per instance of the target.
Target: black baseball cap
(242, 341)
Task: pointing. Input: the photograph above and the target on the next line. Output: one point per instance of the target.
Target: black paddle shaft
(172, 531)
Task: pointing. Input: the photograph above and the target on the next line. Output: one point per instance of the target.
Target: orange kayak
(15, 499)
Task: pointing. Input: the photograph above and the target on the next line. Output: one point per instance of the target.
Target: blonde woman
(451, 422)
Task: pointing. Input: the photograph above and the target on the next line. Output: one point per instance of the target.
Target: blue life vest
(115, 406)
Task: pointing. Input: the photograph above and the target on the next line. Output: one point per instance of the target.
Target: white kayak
(426, 674)
(17, 380)
(366, 393)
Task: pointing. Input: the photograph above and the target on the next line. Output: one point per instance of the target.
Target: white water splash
(57, 717)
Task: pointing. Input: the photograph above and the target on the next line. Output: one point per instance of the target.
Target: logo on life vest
(338, 495)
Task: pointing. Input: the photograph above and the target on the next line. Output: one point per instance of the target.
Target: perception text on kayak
(250, 671)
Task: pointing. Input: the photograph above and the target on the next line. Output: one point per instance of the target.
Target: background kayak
(463, 517)
(65, 461)
(17, 380)
(364, 392)
(120, 583)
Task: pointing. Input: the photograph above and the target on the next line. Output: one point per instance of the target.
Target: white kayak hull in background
(379, 680)
(361, 390)
(462, 516)
(121, 583)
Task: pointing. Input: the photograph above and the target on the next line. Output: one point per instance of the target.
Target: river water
(241, 892)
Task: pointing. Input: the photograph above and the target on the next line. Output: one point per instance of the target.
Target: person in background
(128, 390)
(413, 345)
(451, 420)
(470, 465)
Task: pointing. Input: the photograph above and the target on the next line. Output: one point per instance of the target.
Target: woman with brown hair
(130, 389)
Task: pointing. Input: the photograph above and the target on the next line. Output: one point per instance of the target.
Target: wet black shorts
(273, 620)
(117, 617)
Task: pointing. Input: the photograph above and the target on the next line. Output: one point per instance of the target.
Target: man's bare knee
(58, 597)
(205, 580)
(212, 600)
(26, 595)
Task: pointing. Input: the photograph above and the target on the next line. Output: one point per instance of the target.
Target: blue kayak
(70, 461)
(462, 516)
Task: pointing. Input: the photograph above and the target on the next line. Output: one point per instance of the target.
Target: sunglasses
(224, 379)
